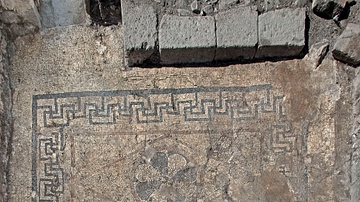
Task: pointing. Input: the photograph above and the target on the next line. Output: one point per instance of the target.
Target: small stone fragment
(9, 17)
(206, 10)
(181, 4)
(271, 4)
(300, 3)
(195, 7)
(225, 4)
(347, 46)
(183, 12)
(211, 2)
(317, 52)
(328, 9)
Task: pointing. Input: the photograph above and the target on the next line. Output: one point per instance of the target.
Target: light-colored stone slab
(236, 33)
(281, 33)
(140, 31)
(347, 46)
(62, 13)
(187, 39)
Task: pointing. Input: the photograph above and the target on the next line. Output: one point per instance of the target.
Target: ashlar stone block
(56, 13)
(140, 32)
(187, 39)
(281, 33)
(347, 46)
(236, 32)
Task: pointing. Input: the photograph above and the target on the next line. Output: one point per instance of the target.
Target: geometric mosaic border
(149, 106)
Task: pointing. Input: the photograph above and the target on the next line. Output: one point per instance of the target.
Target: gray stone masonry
(236, 32)
(187, 39)
(230, 35)
(347, 46)
(62, 13)
(140, 32)
(281, 33)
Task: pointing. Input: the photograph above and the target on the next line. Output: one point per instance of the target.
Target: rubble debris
(195, 7)
(225, 4)
(318, 52)
(183, 12)
(332, 9)
(206, 10)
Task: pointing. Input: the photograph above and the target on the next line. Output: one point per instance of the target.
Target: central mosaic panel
(207, 143)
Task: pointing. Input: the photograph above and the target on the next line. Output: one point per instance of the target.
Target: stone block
(24, 8)
(347, 46)
(187, 39)
(281, 33)
(140, 32)
(236, 32)
(56, 13)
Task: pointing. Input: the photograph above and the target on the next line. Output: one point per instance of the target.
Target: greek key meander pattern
(202, 104)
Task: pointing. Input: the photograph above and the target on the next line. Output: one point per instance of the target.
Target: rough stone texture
(3, 145)
(140, 31)
(317, 53)
(355, 135)
(343, 131)
(281, 33)
(24, 8)
(272, 131)
(225, 4)
(329, 9)
(187, 39)
(347, 46)
(5, 116)
(236, 33)
(271, 4)
(62, 13)
(9, 17)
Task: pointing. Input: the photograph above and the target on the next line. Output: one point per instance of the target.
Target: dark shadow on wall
(104, 12)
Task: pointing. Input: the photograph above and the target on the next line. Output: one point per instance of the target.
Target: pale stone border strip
(355, 157)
